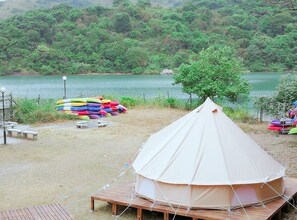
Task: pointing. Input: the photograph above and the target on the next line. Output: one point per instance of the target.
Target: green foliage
(144, 3)
(281, 101)
(128, 102)
(29, 111)
(142, 38)
(217, 73)
(171, 102)
(122, 23)
(239, 114)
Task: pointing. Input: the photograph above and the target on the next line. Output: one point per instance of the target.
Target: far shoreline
(123, 74)
(78, 74)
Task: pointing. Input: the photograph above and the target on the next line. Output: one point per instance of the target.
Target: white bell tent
(204, 160)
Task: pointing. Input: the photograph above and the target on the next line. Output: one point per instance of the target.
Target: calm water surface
(148, 86)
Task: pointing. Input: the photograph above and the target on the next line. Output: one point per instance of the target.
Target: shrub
(238, 114)
(282, 99)
(171, 102)
(128, 102)
(30, 111)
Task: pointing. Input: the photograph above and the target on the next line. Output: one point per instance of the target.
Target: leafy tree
(117, 3)
(144, 3)
(136, 57)
(275, 24)
(284, 4)
(277, 104)
(122, 23)
(217, 73)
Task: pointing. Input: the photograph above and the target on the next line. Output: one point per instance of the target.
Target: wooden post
(92, 204)
(166, 216)
(114, 208)
(139, 213)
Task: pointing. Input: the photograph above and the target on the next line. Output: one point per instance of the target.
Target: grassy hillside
(9, 8)
(138, 39)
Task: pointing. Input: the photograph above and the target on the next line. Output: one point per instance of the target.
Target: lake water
(148, 86)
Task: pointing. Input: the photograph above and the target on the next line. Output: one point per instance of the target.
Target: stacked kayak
(90, 108)
(287, 126)
(282, 126)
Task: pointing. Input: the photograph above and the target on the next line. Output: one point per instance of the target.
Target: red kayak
(282, 130)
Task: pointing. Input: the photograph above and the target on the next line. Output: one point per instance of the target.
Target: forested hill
(140, 38)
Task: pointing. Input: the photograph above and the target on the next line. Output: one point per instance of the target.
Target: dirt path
(65, 165)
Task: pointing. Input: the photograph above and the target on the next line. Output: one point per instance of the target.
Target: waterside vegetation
(281, 100)
(140, 38)
(34, 111)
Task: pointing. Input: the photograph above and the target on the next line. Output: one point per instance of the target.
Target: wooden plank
(62, 211)
(43, 212)
(28, 213)
(121, 195)
(20, 214)
(24, 214)
(40, 214)
(13, 214)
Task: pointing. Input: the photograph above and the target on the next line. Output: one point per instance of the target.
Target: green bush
(128, 102)
(239, 114)
(171, 102)
(277, 104)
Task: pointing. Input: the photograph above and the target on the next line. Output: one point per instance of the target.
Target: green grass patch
(239, 114)
(30, 111)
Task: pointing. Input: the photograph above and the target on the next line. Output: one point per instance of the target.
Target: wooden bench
(14, 132)
(30, 134)
(82, 124)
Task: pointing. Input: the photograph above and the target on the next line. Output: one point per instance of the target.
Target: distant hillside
(139, 38)
(9, 8)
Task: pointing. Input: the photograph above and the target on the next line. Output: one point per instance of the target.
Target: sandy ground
(66, 165)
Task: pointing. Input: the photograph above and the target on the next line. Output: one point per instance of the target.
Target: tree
(117, 3)
(216, 73)
(122, 23)
(144, 3)
(285, 94)
(284, 4)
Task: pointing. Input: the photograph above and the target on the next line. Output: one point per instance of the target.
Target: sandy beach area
(66, 165)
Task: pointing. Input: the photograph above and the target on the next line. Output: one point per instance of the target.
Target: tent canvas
(204, 160)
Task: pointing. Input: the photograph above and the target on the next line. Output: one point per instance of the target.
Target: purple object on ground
(281, 123)
(91, 104)
(93, 116)
(114, 113)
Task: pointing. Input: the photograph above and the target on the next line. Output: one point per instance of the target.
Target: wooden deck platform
(121, 196)
(43, 212)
